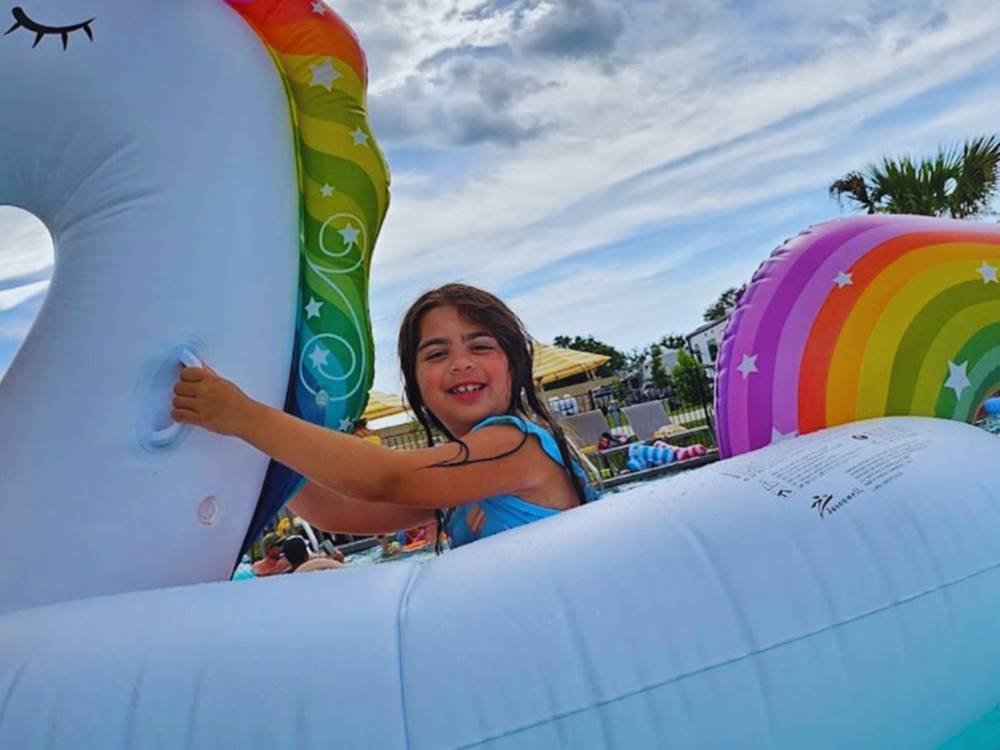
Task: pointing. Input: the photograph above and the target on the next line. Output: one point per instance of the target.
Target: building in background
(669, 359)
(705, 342)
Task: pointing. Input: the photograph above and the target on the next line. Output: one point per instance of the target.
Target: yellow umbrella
(383, 405)
(553, 363)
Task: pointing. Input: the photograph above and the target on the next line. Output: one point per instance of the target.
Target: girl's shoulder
(549, 447)
(548, 442)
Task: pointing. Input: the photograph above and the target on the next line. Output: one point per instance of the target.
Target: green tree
(635, 362)
(673, 341)
(617, 362)
(690, 381)
(960, 182)
(658, 373)
(721, 307)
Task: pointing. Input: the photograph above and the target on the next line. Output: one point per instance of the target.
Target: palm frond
(976, 177)
(853, 188)
(960, 181)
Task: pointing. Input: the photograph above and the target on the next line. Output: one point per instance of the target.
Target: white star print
(322, 398)
(326, 191)
(748, 365)
(312, 309)
(957, 380)
(359, 136)
(346, 425)
(989, 273)
(780, 437)
(844, 279)
(319, 9)
(324, 75)
(350, 235)
(319, 356)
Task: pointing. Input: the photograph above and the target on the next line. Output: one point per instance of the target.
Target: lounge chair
(646, 418)
(649, 418)
(585, 429)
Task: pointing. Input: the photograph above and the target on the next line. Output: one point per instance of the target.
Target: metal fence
(412, 440)
(692, 415)
(606, 400)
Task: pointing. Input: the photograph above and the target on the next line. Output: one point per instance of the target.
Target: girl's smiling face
(462, 373)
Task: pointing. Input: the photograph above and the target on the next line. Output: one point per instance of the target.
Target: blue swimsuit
(509, 511)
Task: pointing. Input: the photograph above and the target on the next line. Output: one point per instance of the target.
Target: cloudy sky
(610, 166)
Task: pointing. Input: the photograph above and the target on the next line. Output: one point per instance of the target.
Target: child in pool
(467, 364)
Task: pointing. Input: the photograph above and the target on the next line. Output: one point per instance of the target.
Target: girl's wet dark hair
(489, 311)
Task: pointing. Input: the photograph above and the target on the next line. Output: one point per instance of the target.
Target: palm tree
(960, 182)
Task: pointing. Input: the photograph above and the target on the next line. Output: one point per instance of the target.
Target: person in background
(390, 547)
(419, 536)
(300, 560)
(272, 562)
(326, 549)
(362, 431)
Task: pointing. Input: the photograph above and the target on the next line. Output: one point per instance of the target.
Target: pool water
(982, 735)
(991, 424)
(373, 556)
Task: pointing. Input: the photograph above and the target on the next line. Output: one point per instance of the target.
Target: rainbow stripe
(860, 318)
(344, 189)
(344, 185)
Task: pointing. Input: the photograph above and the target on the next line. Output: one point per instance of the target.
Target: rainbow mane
(861, 318)
(344, 191)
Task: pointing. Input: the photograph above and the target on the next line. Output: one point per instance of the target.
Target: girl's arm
(363, 470)
(332, 511)
(415, 479)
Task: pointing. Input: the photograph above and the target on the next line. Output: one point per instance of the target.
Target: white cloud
(26, 257)
(11, 298)
(613, 128)
(26, 251)
(14, 326)
(701, 113)
(14, 330)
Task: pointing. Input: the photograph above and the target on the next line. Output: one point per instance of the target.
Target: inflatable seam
(118, 152)
(135, 696)
(727, 662)
(400, 614)
(9, 692)
(739, 616)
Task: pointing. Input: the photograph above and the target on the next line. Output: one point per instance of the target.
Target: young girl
(467, 364)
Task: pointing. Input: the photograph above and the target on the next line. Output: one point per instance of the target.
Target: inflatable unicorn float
(214, 191)
(155, 142)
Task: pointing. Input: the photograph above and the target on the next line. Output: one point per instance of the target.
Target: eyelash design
(22, 21)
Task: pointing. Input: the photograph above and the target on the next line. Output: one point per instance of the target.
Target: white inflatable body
(160, 157)
(838, 590)
(841, 590)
